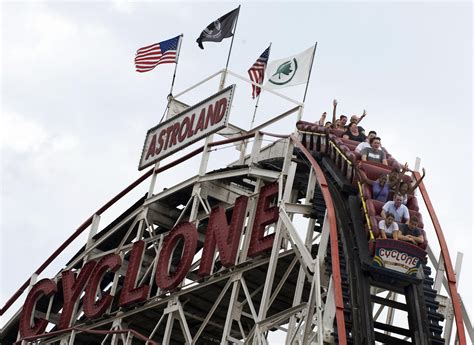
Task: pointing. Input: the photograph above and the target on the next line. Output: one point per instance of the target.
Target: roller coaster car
(399, 256)
(374, 208)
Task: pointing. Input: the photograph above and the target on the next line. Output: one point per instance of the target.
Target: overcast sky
(74, 113)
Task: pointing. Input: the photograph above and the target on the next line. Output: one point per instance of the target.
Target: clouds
(25, 136)
(31, 137)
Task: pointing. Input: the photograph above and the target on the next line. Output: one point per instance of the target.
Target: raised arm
(363, 177)
(322, 119)
(404, 169)
(334, 103)
(400, 180)
(417, 183)
(361, 117)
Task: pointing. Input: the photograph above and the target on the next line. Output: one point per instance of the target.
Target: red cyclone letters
(226, 237)
(264, 216)
(93, 308)
(72, 289)
(221, 235)
(45, 287)
(186, 232)
(130, 293)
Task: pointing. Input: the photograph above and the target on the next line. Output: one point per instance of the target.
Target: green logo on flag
(284, 73)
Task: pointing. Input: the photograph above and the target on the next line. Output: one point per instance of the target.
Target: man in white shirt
(395, 207)
(365, 144)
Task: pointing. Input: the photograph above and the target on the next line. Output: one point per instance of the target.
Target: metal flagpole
(176, 66)
(255, 111)
(258, 97)
(170, 96)
(310, 69)
(300, 113)
(221, 86)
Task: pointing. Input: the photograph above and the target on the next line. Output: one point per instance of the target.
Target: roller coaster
(280, 243)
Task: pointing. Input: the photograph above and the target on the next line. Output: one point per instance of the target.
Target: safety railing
(366, 212)
(342, 161)
(313, 141)
(324, 143)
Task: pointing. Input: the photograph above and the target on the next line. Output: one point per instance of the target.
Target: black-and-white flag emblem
(219, 29)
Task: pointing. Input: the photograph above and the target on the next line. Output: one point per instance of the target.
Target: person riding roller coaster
(409, 232)
(353, 132)
(388, 226)
(322, 121)
(396, 208)
(365, 144)
(374, 153)
(406, 189)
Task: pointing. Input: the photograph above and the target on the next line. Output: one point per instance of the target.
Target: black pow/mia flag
(219, 29)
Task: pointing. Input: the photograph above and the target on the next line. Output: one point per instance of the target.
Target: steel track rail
(321, 178)
(448, 266)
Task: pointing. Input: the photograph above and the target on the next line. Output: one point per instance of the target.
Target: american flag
(153, 55)
(257, 71)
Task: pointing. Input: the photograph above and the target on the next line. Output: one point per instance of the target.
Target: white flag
(293, 70)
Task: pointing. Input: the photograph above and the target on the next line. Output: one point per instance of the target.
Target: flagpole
(258, 97)
(310, 69)
(176, 66)
(255, 112)
(221, 86)
(170, 96)
(300, 113)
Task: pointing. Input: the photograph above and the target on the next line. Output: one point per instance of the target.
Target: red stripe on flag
(151, 56)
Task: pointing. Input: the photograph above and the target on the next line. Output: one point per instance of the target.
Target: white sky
(74, 113)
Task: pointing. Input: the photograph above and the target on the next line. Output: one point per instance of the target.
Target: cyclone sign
(187, 127)
(398, 256)
(222, 238)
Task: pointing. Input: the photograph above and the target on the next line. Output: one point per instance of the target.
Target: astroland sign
(187, 127)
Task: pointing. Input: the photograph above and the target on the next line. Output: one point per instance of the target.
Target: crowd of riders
(390, 188)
